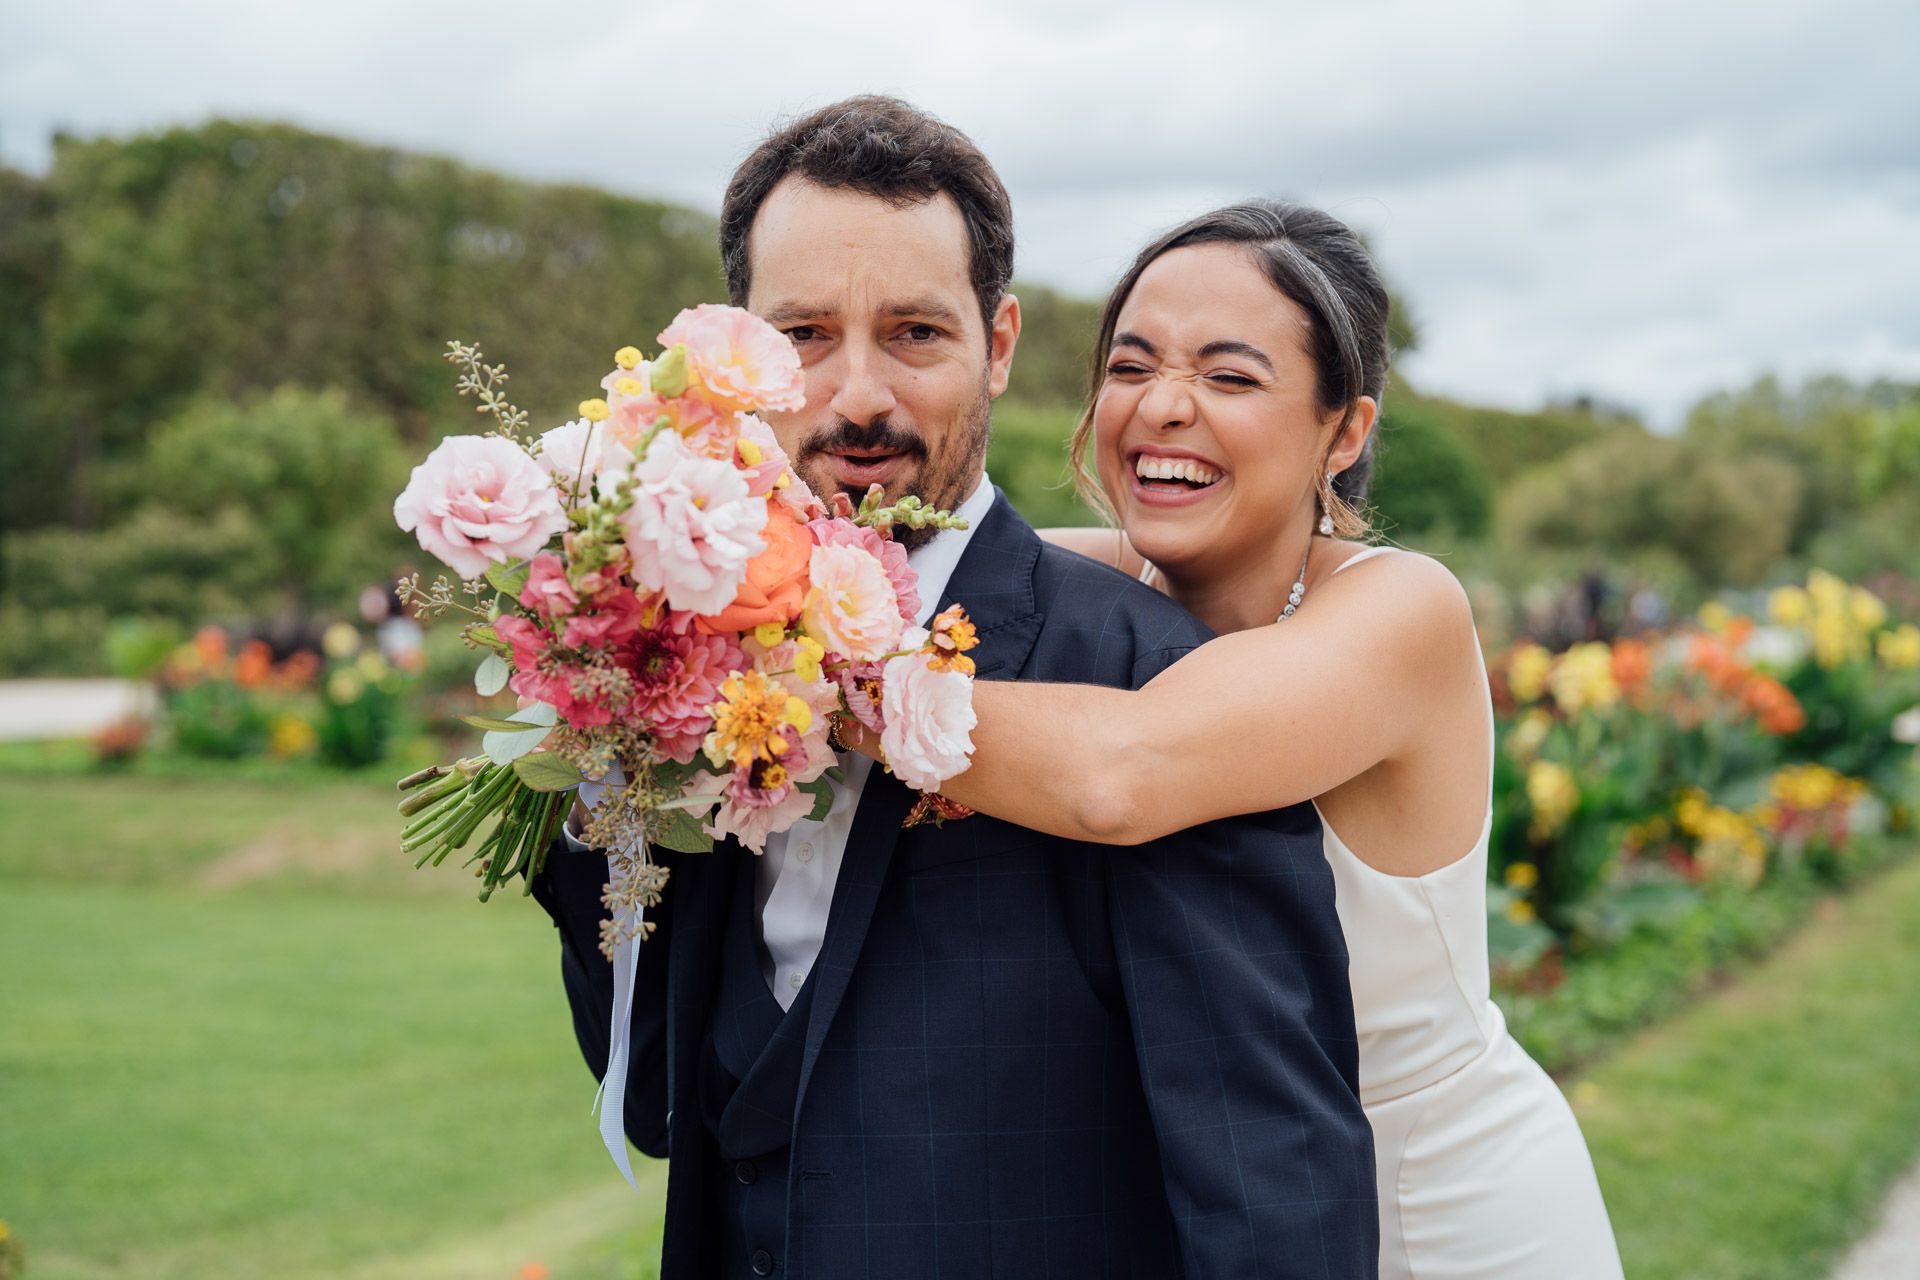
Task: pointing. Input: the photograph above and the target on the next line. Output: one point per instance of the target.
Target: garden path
(1891, 1251)
(33, 709)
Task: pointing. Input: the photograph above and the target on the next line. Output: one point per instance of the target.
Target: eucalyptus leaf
(530, 727)
(497, 724)
(692, 804)
(680, 831)
(491, 675)
(545, 771)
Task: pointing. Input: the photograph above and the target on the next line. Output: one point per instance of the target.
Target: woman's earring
(1326, 507)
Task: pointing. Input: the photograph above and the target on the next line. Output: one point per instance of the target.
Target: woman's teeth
(1186, 469)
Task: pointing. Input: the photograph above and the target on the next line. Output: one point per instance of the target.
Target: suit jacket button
(762, 1262)
(747, 1172)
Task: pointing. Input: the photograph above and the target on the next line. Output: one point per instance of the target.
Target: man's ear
(1001, 341)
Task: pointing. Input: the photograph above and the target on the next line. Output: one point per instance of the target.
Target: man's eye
(922, 332)
(803, 333)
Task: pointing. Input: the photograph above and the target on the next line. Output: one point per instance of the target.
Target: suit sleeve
(1234, 971)
(569, 888)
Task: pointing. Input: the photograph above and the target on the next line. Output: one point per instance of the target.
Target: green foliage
(1728, 518)
(1424, 480)
(136, 647)
(1028, 459)
(219, 719)
(1501, 443)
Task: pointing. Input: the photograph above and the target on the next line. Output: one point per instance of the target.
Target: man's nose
(864, 395)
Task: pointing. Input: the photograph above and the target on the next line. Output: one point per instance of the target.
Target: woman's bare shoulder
(1108, 546)
(1414, 597)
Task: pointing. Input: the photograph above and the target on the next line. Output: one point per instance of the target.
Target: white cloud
(1637, 199)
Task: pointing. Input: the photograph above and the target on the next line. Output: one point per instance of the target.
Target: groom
(969, 1049)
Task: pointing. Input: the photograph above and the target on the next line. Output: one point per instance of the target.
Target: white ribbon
(610, 1100)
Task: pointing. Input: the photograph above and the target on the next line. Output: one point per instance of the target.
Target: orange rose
(776, 584)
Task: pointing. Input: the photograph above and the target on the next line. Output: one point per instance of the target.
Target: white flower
(561, 450)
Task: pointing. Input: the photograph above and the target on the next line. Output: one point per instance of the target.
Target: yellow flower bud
(628, 386)
(806, 662)
(799, 714)
(594, 410)
(627, 357)
(750, 452)
(769, 634)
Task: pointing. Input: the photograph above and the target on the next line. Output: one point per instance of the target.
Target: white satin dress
(1481, 1168)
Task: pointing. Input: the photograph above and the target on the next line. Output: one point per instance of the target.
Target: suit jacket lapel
(994, 580)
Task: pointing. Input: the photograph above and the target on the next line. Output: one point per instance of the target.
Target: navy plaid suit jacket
(1029, 1056)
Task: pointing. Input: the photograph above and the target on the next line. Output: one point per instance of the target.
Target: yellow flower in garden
(1833, 639)
(1868, 612)
(344, 687)
(1829, 593)
(1715, 616)
(1690, 814)
(291, 736)
(1523, 875)
(1520, 911)
(340, 640)
(1789, 606)
(1527, 672)
(1554, 795)
(1900, 648)
(1529, 732)
(1583, 678)
(372, 667)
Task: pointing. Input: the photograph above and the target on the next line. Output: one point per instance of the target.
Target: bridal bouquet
(680, 616)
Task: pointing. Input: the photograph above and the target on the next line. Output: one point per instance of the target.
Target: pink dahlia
(677, 673)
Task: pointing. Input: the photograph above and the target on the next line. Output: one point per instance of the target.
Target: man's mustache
(878, 436)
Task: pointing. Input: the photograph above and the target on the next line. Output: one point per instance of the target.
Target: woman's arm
(1253, 721)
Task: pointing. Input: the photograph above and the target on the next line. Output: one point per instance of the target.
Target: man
(970, 1049)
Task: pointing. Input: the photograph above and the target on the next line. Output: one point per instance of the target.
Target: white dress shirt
(794, 878)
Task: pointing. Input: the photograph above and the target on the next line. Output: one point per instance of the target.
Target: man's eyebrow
(1235, 347)
(928, 308)
(1124, 339)
(793, 313)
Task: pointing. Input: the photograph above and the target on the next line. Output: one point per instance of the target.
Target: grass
(1753, 1135)
(243, 1037)
(240, 1035)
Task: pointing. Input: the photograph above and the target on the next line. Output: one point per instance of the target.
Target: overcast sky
(1641, 201)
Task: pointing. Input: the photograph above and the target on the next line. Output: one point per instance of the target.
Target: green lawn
(240, 1035)
(1752, 1136)
(243, 1037)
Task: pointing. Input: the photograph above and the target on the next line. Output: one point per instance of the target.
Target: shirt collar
(934, 563)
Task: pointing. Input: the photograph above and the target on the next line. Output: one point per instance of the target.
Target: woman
(1242, 361)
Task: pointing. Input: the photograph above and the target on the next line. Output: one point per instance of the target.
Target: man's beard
(943, 480)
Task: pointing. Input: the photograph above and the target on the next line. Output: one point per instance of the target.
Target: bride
(1242, 361)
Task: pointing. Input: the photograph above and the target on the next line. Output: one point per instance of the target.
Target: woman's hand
(850, 735)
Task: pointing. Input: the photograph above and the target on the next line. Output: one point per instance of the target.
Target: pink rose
(692, 528)
(892, 557)
(738, 360)
(479, 501)
(852, 608)
(929, 718)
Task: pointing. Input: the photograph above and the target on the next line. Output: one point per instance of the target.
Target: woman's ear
(1347, 447)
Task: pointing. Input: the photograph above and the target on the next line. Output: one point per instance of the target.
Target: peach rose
(852, 608)
(776, 585)
(736, 359)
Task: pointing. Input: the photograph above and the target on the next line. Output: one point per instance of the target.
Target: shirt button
(762, 1262)
(805, 852)
(797, 979)
(746, 1172)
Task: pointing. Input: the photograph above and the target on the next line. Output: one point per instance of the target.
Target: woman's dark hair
(1317, 261)
(888, 149)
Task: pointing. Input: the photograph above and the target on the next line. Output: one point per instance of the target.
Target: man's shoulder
(1111, 623)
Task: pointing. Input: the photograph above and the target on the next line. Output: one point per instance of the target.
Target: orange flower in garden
(210, 646)
(1773, 704)
(776, 584)
(1714, 658)
(1632, 665)
(299, 670)
(254, 665)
